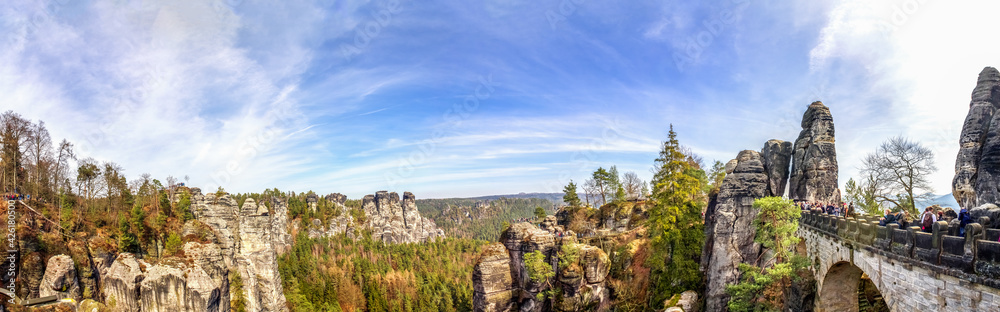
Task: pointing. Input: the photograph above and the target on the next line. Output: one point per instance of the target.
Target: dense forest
(339, 274)
(480, 219)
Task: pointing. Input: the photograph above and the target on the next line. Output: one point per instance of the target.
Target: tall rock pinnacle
(814, 158)
(976, 150)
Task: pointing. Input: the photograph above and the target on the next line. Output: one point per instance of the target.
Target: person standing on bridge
(963, 219)
(927, 219)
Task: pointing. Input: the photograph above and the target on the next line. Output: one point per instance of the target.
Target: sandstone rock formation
(501, 281)
(394, 222)
(776, 156)
(60, 277)
(208, 257)
(814, 159)
(281, 238)
(337, 198)
(168, 288)
(987, 210)
(257, 260)
(688, 302)
(220, 215)
(978, 124)
(121, 284)
(731, 228)
(243, 241)
(494, 290)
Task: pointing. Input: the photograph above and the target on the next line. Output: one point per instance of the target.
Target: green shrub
(173, 244)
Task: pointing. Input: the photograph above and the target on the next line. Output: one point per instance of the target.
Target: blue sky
(446, 98)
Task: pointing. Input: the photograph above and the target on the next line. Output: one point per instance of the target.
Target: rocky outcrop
(990, 211)
(582, 282)
(394, 222)
(501, 281)
(220, 215)
(776, 156)
(257, 260)
(281, 238)
(731, 227)
(978, 124)
(814, 159)
(168, 288)
(60, 277)
(208, 257)
(121, 284)
(493, 286)
(337, 198)
(244, 240)
(688, 302)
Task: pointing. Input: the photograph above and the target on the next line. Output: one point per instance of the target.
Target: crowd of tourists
(16, 196)
(927, 219)
(840, 210)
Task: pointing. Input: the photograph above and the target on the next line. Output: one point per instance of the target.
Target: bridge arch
(839, 290)
(910, 270)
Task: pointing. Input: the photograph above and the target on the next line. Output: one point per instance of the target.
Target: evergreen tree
(540, 213)
(764, 289)
(675, 222)
(571, 198)
(602, 179)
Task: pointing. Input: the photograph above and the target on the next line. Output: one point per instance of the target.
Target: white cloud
(158, 87)
(922, 57)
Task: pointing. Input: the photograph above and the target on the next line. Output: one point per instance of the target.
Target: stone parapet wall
(914, 271)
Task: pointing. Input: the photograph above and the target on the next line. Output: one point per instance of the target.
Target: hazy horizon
(472, 99)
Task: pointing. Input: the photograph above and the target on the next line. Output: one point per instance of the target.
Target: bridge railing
(977, 252)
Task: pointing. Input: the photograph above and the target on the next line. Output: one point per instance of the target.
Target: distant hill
(946, 200)
(555, 198)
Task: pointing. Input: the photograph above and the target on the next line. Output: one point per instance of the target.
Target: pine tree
(763, 288)
(675, 222)
(571, 198)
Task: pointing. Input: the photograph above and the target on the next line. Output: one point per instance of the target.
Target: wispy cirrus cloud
(251, 95)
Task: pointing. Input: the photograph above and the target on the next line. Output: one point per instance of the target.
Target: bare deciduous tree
(899, 169)
(14, 133)
(39, 152)
(65, 153)
(632, 184)
(591, 190)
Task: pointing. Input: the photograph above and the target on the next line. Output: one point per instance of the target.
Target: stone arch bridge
(913, 270)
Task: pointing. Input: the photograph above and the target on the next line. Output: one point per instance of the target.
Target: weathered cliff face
(183, 288)
(501, 282)
(986, 210)
(60, 277)
(239, 241)
(208, 257)
(337, 198)
(394, 222)
(494, 290)
(978, 124)
(257, 260)
(281, 237)
(732, 230)
(220, 215)
(814, 160)
(121, 284)
(776, 156)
